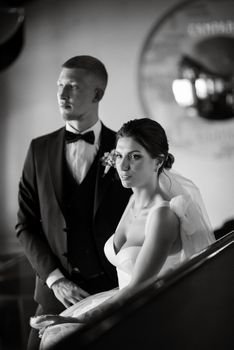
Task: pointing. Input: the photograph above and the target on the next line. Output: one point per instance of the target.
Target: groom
(68, 207)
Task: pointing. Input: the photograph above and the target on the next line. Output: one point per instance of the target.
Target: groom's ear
(98, 94)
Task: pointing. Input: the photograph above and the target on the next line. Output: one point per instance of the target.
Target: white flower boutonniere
(108, 160)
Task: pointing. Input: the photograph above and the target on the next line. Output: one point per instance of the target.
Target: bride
(164, 223)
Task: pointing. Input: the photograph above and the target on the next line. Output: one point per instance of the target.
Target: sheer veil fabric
(196, 230)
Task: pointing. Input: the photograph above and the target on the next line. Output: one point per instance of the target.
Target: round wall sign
(186, 76)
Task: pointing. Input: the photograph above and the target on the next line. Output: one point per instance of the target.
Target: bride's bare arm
(163, 230)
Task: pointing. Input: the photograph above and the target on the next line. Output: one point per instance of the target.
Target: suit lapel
(56, 163)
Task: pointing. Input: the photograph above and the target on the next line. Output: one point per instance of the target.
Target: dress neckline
(122, 248)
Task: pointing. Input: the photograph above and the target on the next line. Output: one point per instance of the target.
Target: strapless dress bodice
(125, 259)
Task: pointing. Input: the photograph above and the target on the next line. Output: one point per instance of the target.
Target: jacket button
(76, 270)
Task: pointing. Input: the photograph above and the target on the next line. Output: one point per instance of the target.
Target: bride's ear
(159, 162)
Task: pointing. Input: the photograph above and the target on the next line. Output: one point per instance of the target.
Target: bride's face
(134, 164)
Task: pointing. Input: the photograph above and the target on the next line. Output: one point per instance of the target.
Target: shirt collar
(96, 128)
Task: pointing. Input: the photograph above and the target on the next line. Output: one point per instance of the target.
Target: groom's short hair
(91, 64)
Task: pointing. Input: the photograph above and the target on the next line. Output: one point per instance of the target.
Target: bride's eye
(135, 156)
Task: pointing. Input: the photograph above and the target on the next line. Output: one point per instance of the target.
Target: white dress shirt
(80, 156)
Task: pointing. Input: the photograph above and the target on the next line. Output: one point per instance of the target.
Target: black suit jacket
(41, 224)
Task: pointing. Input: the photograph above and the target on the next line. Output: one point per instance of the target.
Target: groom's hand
(67, 292)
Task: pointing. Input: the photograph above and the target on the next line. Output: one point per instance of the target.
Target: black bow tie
(72, 137)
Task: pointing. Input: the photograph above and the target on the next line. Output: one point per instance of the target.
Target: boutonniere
(108, 160)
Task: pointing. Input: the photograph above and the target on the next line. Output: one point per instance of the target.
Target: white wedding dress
(195, 235)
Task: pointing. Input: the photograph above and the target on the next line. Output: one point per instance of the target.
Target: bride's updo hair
(150, 135)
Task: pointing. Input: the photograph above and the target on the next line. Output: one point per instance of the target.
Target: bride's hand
(45, 321)
(39, 322)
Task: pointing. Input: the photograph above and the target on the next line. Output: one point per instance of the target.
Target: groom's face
(76, 93)
(133, 163)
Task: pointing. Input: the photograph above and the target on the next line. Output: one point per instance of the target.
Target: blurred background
(171, 61)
